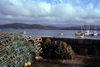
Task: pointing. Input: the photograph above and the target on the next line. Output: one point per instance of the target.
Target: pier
(81, 46)
(87, 53)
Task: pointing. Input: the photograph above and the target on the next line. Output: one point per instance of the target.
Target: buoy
(26, 65)
(38, 58)
(29, 63)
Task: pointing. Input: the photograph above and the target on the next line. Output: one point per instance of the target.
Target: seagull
(60, 34)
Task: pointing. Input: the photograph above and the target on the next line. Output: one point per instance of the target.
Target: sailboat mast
(89, 27)
(81, 28)
(95, 28)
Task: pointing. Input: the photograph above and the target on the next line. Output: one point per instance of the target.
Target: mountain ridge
(39, 26)
(26, 26)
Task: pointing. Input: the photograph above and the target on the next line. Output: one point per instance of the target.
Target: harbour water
(66, 33)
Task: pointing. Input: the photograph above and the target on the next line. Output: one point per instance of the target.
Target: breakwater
(81, 46)
(86, 53)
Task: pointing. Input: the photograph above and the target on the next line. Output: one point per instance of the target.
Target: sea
(37, 32)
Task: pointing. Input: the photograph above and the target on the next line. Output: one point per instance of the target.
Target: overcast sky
(50, 12)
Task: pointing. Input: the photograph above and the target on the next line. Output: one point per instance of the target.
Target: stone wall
(81, 46)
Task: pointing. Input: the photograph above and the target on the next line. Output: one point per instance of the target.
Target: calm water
(67, 33)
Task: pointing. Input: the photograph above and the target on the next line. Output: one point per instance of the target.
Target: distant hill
(38, 26)
(84, 27)
(26, 26)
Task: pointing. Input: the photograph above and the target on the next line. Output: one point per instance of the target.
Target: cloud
(50, 12)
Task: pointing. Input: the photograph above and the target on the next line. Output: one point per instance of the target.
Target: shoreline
(43, 29)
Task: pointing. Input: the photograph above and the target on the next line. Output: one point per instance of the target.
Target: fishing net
(56, 49)
(16, 50)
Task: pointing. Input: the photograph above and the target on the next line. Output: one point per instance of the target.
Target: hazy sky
(50, 12)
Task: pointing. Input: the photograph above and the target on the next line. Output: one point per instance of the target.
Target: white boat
(87, 33)
(95, 33)
(82, 33)
(79, 32)
(82, 36)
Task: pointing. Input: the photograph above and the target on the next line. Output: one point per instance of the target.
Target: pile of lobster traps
(16, 50)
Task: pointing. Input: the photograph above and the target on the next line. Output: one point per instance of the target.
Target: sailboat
(87, 32)
(80, 33)
(95, 32)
